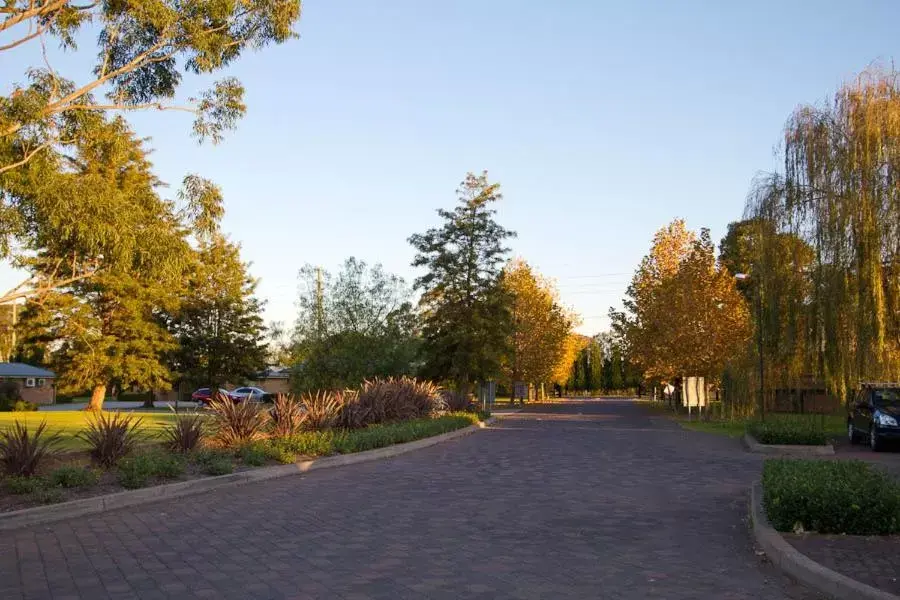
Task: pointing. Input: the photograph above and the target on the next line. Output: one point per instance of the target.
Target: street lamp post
(759, 344)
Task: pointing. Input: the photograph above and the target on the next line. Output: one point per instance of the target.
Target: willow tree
(839, 194)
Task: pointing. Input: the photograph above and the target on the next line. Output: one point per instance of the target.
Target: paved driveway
(582, 500)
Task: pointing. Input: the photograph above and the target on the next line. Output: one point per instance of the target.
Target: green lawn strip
(734, 429)
(778, 428)
(69, 423)
(830, 496)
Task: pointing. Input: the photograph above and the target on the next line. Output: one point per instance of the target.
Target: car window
(203, 391)
(241, 390)
(887, 397)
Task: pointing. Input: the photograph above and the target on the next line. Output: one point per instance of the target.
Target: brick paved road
(584, 500)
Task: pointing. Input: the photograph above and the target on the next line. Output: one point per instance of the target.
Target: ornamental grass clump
(185, 433)
(111, 436)
(23, 450)
(287, 415)
(237, 423)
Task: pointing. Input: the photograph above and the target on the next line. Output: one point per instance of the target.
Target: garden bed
(71, 476)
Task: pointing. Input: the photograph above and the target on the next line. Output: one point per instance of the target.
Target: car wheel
(851, 433)
(874, 442)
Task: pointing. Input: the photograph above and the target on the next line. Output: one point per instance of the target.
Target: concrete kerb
(801, 567)
(781, 449)
(87, 506)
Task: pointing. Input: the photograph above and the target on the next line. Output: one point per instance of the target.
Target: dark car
(202, 396)
(875, 415)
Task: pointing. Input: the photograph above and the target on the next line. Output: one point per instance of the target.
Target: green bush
(136, 472)
(74, 477)
(9, 395)
(19, 484)
(253, 455)
(837, 496)
(795, 431)
(213, 462)
(23, 406)
(48, 495)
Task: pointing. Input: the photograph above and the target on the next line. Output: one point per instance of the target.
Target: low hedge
(796, 431)
(336, 441)
(830, 496)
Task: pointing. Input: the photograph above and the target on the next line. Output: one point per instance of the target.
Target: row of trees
(479, 316)
(806, 288)
(124, 286)
(602, 365)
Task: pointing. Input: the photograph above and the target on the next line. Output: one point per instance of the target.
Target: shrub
(307, 443)
(185, 433)
(323, 409)
(237, 423)
(111, 436)
(455, 401)
(9, 395)
(136, 471)
(19, 484)
(214, 462)
(48, 495)
(378, 436)
(253, 455)
(785, 430)
(21, 451)
(839, 496)
(398, 399)
(287, 415)
(73, 477)
(23, 406)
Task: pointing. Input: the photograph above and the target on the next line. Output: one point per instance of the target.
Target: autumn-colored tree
(539, 326)
(645, 322)
(684, 314)
(562, 372)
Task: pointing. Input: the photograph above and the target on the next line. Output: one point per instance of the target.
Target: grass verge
(69, 423)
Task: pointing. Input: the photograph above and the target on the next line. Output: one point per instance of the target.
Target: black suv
(875, 414)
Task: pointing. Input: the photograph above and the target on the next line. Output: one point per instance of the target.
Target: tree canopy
(465, 308)
(539, 325)
(351, 326)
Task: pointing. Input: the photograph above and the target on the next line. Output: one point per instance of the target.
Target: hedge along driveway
(69, 423)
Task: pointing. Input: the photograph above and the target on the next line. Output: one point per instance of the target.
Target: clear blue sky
(602, 121)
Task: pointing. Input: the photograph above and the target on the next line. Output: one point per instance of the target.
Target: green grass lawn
(834, 426)
(68, 423)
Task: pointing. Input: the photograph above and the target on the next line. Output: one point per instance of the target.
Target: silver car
(253, 394)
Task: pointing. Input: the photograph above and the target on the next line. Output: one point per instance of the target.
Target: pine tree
(464, 305)
(219, 327)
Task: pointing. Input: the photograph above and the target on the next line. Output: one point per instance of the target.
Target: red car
(202, 396)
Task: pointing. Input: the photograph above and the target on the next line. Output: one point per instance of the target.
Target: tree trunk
(148, 401)
(97, 396)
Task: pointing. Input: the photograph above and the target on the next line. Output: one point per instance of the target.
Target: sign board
(694, 392)
(520, 389)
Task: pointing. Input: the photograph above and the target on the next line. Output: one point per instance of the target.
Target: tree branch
(30, 13)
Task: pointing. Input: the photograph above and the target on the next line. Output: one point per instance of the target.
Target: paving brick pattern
(872, 560)
(577, 500)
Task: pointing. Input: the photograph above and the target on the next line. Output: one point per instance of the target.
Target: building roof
(23, 370)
